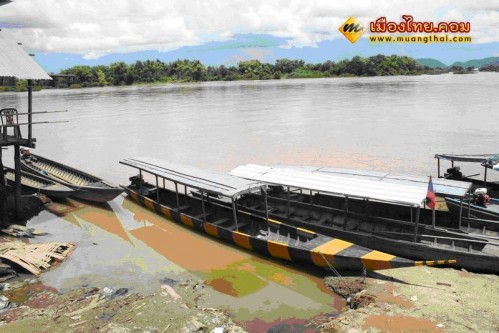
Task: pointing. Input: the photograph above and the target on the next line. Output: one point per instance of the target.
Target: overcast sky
(95, 28)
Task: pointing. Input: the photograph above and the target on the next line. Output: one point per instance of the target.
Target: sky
(64, 33)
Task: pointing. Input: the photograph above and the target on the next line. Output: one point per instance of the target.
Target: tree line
(152, 71)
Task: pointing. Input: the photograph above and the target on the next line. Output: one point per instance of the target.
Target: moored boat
(224, 221)
(358, 210)
(35, 184)
(489, 162)
(486, 211)
(84, 185)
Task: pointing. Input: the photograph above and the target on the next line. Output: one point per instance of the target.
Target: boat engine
(480, 197)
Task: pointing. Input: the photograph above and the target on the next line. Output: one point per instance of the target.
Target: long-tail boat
(84, 185)
(365, 212)
(168, 193)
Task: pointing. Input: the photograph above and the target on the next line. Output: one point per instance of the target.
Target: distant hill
(432, 63)
(477, 62)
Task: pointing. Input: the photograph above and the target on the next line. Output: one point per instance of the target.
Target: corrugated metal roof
(334, 184)
(213, 182)
(14, 62)
(441, 186)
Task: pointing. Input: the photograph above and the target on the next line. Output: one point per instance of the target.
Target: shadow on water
(141, 249)
(249, 285)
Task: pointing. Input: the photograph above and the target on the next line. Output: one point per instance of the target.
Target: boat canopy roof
(336, 184)
(211, 182)
(441, 186)
(474, 158)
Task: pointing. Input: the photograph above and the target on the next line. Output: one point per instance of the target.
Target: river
(381, 123)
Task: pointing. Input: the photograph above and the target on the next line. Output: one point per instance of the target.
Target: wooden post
(30, 109)
(17, 164)
(3, 194)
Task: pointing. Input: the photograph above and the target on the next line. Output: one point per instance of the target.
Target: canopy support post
(417, 225)
(460, 213)
(438, 164)
(140, 181)
(234, 212)
(485, 178)
(157, 190)
(287, 204)
(202, 206)
(345, 218)
(469, 204)
(177, 198)
(266, 204)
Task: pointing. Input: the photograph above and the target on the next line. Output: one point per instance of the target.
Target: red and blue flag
(430, 195)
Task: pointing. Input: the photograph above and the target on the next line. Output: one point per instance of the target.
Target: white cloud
(95, 27)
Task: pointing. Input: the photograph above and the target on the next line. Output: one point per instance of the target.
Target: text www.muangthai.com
(420, 39)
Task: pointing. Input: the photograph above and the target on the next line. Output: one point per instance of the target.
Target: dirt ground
(173, 308)
(419, 299)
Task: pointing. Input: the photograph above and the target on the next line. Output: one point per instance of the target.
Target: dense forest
(149, 71)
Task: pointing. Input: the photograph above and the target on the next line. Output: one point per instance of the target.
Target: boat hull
(360, 257)
(97, 190)
(474, 260)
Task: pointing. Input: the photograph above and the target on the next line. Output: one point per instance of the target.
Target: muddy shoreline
(415, 299)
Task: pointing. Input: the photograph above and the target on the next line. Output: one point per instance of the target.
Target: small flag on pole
(430, 195)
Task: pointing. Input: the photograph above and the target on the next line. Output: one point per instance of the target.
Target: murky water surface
(393, 124)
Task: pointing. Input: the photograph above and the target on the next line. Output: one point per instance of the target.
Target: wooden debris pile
(35, 257)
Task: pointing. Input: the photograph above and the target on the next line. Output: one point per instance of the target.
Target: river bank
(400, 300)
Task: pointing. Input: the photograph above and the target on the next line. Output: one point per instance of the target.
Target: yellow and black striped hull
(323, 252)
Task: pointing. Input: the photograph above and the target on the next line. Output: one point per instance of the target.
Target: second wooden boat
(84, 185)
(35, 184)
(356, 210)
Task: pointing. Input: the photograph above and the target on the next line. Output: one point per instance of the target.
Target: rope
(335, 272)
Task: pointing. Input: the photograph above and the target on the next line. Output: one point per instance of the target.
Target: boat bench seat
(203, 216)
(239, 225)
(221, 221)
(183, 207)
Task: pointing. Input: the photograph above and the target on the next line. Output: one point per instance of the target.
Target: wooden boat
(485, 161)
(84, 185)
(35, 184)
(224, 221)
(314, 202)
(459, 219)
(488, 211)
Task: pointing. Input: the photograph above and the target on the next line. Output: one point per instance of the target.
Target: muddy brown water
(391, 124)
